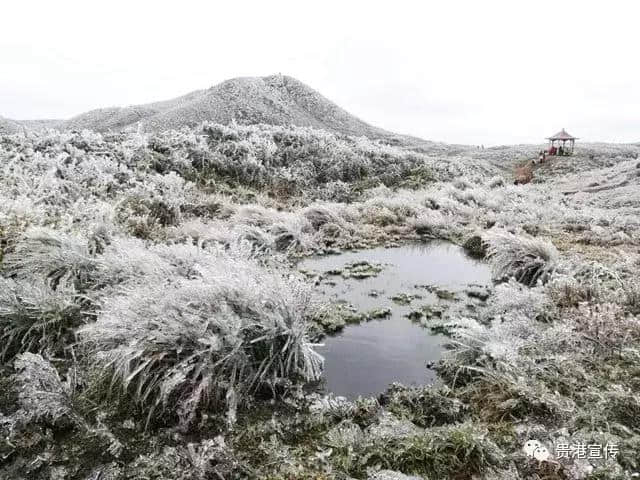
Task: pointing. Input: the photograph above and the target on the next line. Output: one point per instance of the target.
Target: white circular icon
(541, 453)
(530, 447)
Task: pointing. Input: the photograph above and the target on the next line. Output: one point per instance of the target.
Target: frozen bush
(607, 325)
(513, 300)
(423, 406)
(254, 235)
(255, 215)
(319, 215)
(292, 235)
(337, 191)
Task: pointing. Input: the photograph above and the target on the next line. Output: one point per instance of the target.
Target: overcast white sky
(485, 71)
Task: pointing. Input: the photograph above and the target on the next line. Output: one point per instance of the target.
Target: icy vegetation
(154, 325)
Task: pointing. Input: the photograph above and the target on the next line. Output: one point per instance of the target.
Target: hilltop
(272, 100)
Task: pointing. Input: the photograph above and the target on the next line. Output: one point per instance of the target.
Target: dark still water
(364, 359)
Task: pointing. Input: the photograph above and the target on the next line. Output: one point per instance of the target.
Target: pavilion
(564, 137)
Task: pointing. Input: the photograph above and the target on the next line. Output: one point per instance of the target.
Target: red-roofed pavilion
(564, 137)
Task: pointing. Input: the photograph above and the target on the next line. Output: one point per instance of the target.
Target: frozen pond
(364, 359)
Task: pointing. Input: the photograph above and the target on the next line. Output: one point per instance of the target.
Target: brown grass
(523, 174)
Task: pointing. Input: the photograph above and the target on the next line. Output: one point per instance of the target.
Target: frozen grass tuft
(52, 256)
(36, 318)
(429, 222)
(456, 451)
(185, 345)
(319, 215)
(528, 260)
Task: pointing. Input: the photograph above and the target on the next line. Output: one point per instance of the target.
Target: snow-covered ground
(153, 326)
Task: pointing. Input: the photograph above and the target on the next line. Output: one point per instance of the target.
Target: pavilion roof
(562, 135)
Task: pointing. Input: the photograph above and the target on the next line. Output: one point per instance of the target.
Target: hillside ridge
(274, 100)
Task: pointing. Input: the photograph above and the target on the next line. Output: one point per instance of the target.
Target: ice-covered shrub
(263, 155)
(567, 291)
(256, 236)
(292, 235)
(631, 295)
(255, 215)
(514, 395)
(607, 324)
(320, 214)
(143, 217)
(184, 345)
(424, 406)
(528, 260)
(478, 346)
(337, 191)
(513, 300)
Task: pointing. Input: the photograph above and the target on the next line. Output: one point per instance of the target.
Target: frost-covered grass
(152, 325)
(528, 260)
(226, 328)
